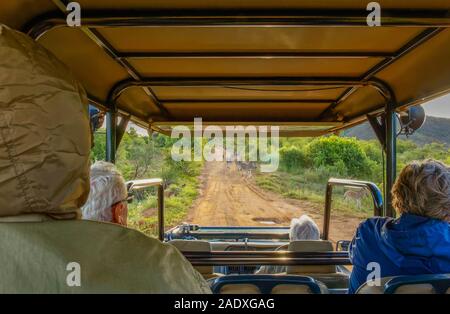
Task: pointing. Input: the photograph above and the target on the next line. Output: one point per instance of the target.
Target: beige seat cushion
(415, 289)
(311, 246)
(240, 288)
(324, 273)
(291, 289)
(278, 289)
(297, 289)
(371, 288)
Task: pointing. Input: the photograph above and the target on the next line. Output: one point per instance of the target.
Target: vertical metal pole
(111, 126)
(327, 213)
(161, 212)
(121, 128)
(391, 158)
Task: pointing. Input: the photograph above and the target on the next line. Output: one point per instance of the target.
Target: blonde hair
(423, 189)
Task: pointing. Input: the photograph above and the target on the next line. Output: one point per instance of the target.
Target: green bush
(98, 152)
(293, 158)
(342, 156)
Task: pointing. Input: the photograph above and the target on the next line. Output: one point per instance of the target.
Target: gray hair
(304, 228)
(423, 189)
(107, 188)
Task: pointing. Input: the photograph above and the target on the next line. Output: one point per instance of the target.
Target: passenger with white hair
(303, 228)
(107, 200)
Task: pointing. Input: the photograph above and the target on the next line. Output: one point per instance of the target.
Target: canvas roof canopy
(312, 67)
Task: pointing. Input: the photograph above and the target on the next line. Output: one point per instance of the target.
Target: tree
(136, 155)
(98, 152)
(343, 155)
(293, 158)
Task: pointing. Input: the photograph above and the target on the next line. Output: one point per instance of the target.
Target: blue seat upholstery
(265, 283)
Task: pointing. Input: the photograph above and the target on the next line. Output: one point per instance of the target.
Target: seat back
(311, 246)
(419, 284)
(266, 284)
(291, 289)
(196, 246)
(239, 288)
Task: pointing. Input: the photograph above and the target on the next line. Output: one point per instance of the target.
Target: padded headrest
(291, 289)
(311, 246)
(240, 288)
(423, 288)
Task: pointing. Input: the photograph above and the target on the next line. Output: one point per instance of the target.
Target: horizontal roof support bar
(255, 55)
(339, 82)
(185, 100)
(253, 122)
(287, 17)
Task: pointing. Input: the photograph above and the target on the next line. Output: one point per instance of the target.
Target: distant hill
(434, 130)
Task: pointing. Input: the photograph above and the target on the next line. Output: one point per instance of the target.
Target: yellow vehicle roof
(312, 67)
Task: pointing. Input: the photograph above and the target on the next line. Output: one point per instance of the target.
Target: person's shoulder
(366, 240)
(120, 234)
(376, 220)
(373, 223)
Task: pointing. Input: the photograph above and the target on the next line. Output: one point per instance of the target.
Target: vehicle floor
(228, 198)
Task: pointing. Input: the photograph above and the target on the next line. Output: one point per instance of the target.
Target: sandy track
(227, 199)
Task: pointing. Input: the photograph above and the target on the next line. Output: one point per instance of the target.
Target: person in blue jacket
(418, 241)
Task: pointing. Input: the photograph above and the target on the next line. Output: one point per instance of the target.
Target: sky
(438, 107)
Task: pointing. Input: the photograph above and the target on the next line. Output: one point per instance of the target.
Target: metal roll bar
(255, 258)
(141, 184)
(246, 235)
(291, 17)
(379, 85)
(369, 186)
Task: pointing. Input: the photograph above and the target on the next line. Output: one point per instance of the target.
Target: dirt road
(228, 199)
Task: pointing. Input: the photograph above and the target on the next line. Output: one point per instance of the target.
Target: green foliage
(137, 155)
(293, 158)
(431, 150)
(142, 157)
(306, 164)
(343, 156)
(405, 146)
(98, 152)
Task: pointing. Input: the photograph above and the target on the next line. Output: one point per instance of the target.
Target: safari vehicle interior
(311, 67)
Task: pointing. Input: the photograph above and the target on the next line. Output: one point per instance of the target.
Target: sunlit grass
(310, 186)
